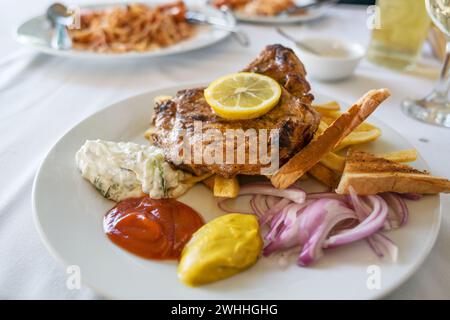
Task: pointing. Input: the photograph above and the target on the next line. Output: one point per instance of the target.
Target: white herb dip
(121, 170)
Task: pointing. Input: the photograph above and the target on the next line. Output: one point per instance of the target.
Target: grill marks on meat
(293, 116)
(282, 65)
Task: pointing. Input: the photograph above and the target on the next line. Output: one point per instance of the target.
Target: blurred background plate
(310, 15)
(37, 31)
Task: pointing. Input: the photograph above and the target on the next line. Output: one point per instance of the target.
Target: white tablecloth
(41, 97)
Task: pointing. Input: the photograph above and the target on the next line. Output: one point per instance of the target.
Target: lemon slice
(243, 95)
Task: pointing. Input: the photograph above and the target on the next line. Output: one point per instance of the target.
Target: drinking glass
(399, 32)
(435, 107)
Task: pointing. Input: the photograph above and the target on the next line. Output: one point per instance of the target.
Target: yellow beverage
(398, 38)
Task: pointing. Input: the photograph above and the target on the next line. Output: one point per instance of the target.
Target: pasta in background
(133, 27)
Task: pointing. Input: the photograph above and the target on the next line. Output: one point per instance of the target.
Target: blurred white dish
(335, 59)
(37, 32)
(309, 15)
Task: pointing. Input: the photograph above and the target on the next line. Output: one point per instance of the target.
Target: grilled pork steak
(177, 119)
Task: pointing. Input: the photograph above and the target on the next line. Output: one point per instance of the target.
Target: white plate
(36, 33)
(68, 213)
(310, 15)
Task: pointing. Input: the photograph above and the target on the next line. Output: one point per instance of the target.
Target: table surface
(41, 97)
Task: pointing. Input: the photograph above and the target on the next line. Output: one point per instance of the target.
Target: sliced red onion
(376, 203)
(222, 204)
(254, 208)
(398, 215)
(410, 196)
(317, 221)
(375, 246)
(268, 215)
(362, 210)
(405, 211)
(327, 195)
(387, 223)
(275, 224)
(258, 205)
(296, 195)
(388, 245)
(369, 226)
(281, 215)
(271, 201)
(344, 225)
(285, 233)
(311, 222)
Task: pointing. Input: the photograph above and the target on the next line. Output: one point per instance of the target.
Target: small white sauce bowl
(337, 59)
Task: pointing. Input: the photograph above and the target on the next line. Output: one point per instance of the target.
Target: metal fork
(201, 18)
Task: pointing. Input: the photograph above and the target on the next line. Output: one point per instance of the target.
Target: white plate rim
(87, 55)
(380, 294)
(313, 14)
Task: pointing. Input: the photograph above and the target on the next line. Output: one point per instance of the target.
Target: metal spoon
(298, 43)
(60, 18)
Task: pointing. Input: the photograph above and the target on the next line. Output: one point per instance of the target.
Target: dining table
(44, 96)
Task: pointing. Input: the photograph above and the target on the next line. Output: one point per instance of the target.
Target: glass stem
(442, 87)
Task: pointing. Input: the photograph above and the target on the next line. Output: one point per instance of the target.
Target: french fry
(336, 162)
(408, 155)
(326, 142)
(148, 132)
(333, 161)
(358, 137)
(225, 187)
(366, 126)
(330, 117)
(364, 133)
(328, 108)
(209, 182)
(324, 175)
(196, 179)
(322, 127)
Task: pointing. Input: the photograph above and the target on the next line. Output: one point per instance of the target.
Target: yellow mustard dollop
(221, 248)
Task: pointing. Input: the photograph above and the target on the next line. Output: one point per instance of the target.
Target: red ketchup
(151, 228)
